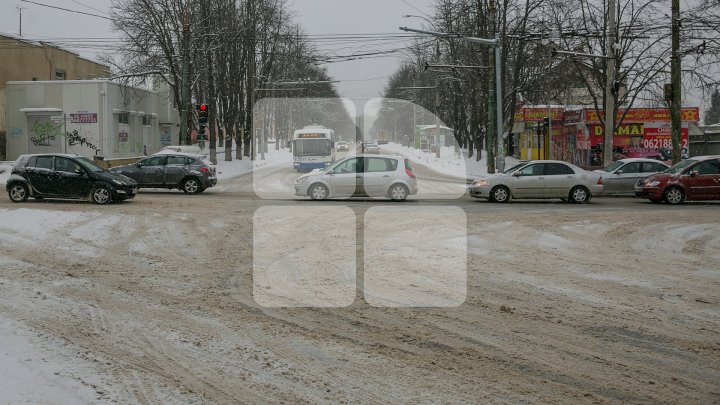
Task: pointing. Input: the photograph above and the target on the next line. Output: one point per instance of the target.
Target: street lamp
(495, 43)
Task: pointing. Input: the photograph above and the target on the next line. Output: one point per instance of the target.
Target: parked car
(621, 176)
(190, 173)
(697, 178)
(66, 177)
(341, 146)
(540, 179)
(361, 176)
(372, 148)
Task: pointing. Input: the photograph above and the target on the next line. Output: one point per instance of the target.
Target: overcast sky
(360, 78)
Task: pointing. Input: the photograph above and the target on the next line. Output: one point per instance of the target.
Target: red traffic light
(203, 107)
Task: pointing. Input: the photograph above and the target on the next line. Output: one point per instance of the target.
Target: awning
(40, 110)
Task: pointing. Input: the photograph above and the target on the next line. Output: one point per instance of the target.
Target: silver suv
(188, 172)
(361, 176)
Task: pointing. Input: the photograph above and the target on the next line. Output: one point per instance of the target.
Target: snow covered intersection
(152, 301)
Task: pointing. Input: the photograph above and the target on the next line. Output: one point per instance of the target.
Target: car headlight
(301, 180)
(119, 182)
(480, 183)
(654, 183)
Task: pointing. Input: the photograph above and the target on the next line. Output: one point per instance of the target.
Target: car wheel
(191, 186)
(398, 192)
(318, 192)
(18, 193)
(101, 195)
(579, 195)
(500, 194)
(674, 195)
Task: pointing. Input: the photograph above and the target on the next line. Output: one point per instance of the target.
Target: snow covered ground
(449, 162)
(237, 168)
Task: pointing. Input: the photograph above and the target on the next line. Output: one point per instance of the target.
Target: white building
(87, 117)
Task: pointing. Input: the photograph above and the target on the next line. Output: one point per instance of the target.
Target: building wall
(89, 118)
(26, 61)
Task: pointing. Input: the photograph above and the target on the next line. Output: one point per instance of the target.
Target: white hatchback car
(360, 176)
(540, 179)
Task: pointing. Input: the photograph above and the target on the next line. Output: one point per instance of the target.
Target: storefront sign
(647, 114)
(84, 118)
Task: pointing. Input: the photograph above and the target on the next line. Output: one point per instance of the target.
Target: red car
(697, 178)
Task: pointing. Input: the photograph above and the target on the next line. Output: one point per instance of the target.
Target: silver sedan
(620, 177)
(538, 180)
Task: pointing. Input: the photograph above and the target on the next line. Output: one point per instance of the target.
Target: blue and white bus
(313, 148)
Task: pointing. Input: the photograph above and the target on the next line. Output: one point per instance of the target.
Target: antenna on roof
(20, 9)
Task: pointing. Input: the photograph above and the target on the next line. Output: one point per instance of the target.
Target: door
(559, 179)
(175, 169)
(623, 180)
(703, 180)
(151, 173)
(378, 175)
(529, 182)
(39, 173)
(45, 135)
(70, 180)
(346, 178)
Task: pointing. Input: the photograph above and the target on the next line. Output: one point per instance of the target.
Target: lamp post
(499, 123)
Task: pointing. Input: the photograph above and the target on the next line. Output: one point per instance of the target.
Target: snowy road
(152, 301)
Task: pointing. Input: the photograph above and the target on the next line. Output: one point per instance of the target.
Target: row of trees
(529, 30)
(232, 52)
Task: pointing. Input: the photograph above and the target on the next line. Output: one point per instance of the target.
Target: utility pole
(492, 147)
(437, 120)
(609, 85)
(675, 72)
(185, 81)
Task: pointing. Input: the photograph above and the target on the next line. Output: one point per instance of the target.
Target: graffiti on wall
(15, 133)
(44, 134)
(85, 140)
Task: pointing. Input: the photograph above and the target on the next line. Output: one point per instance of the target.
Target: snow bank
(4, 173)
(237, 168)
(450, 162)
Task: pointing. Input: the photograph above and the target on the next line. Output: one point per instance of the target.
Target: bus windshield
(313, 147)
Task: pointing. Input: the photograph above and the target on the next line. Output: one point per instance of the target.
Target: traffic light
(203, 111)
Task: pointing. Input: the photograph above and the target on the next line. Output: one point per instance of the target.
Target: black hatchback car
(66, 177)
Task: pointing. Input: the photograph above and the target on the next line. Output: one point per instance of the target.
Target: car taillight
(204, 170)
(410, 173)
(600, 181)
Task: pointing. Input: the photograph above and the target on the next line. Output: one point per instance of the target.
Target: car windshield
(513, 168)
(613, 166)
(90, 165)
(680, 166)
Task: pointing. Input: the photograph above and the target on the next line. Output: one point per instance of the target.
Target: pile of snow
(237, 168)
(450, 162)
(5, 170)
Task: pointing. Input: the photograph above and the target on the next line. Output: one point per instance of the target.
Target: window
(41, 162)
(59, 74)
(176, 160)
(147, 120)
(532, 170)
(375, 165)
(653, 167)
(708, 167)
(154, 161)
(66, 165)
(349, 166)
(632, 168)
(124, 118)
(558, 169)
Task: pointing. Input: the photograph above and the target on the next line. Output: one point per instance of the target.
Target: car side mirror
(694, 173)
(517, 174)
(80, 171)
(138, 164)
(619, 172)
